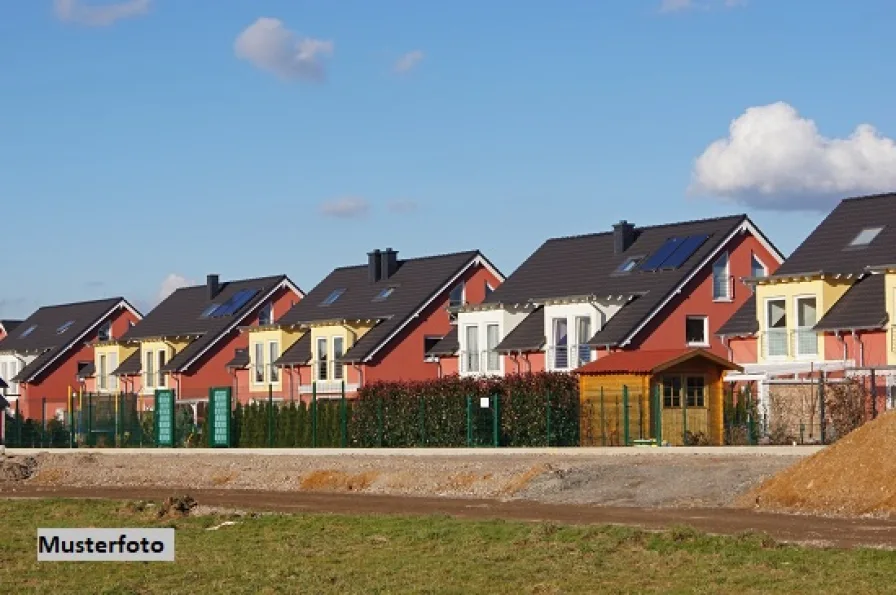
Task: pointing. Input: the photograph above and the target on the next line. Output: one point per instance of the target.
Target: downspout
(439, 366)
(516, 361)
(360, 371)
(842, 342)
(857, 337)
(528, 362)
(727, 341)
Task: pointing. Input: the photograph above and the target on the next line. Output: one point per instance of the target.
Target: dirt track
(798, 529)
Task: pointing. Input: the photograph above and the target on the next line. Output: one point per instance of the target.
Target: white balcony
(329, 379)
(806, 342)
(776, 343)
(567, 357)
(480, 362)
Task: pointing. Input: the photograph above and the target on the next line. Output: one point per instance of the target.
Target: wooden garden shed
(670, 396)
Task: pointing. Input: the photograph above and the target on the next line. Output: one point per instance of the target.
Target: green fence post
(71, 421)
(684, 416)
(119, 419)
(548, 418)
(379, 421)
(822, 415)
(344, 421)
(469, 420)
(43, 420)
(422, 415)
(626, 430)
(314, 414)
(496, 423)
(270, 415)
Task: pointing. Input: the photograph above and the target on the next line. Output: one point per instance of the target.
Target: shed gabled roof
(588, 266)
(416, 282)
(52, 331)
(131, 366)
(863, 306)
(827, 249)
(181, 315)
(650, 361)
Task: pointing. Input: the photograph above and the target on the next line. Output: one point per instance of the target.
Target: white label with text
(105, 545)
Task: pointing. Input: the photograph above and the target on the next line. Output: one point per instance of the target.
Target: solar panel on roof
(657, 258)
(684, 251)
(237, 301)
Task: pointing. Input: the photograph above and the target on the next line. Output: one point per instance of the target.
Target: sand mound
(854, 476)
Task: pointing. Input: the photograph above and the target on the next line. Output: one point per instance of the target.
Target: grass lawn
(367, 554)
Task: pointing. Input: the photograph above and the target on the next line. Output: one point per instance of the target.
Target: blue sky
(150, 142)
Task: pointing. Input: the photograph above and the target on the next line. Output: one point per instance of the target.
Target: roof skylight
(28, 331)
(334, 295)
(384, 294)
(65, 327)
(865, 237)
(629, 264)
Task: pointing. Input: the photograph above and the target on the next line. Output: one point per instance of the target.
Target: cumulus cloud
(773, 158)
(345, 208)
(270, 46)
(172, 283)
(408, 62)
(667, 6)
(99, 15)
(403, 206)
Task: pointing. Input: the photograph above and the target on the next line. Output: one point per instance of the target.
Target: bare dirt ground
(631, 480)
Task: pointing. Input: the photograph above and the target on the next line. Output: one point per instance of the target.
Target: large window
(694, 393)
(322, 359)
(105, 331)
(471, 354)
(338, 352)
(806, 318)
(101, 373)
(493, 362)
(162, 357)
(150, 371)
(112, 366)
(560, 342)
(776, 323)
(583, 335)
(697, 331)
(456, 298)
(721, 285)
(757, 268)
(266, 315)
(259, 363)
(672, 392)
(273, 354)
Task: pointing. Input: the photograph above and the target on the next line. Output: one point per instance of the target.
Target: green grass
(376, 554)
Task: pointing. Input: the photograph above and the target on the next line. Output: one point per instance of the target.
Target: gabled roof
(52, 331)
(742, 323)
(4, 404)
(650, 361)
(181, 315)
(416, 282)
(528, 335)
(131, 365)
(588, 266)
(863, 306)
(298, 354)
(240, 359)
(8, 326)
(827, 250)
(86, 370)
(447, 345)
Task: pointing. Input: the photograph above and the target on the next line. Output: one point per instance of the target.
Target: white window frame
(582, 341)
(102, 370)
(257, 348)
(705, 319)
(797, 328)
(162, 354)
(766, 315)
(105, 325)
(337, 366)
(273, 352)
(149, 364)
(268, 306)
(554, 345)
(113, 365)
(727, 297)
(754, 256)
(471, 355)
(489, 349)
(317, 361)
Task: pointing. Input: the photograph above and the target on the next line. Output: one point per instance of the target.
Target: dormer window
(334, 295)
(865, 237)
(105, 331)
(384, 294)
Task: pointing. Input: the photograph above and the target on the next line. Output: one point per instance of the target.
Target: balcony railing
(806, 341)
(799, 342)
(568, 357)
(328, 377)
(480, 362)
(154, 380)
(776, 343)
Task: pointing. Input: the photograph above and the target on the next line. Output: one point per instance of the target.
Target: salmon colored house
(577, 299)
(187, 341)
(42, 357)
(363, 323)
(830, 307)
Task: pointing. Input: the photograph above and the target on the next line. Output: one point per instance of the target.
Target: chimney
(374, 270)
(623, 236)
(389, 259)
(213, 286)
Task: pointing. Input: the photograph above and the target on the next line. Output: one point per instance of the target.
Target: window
(28, 331)
(384, 294)
(274, 353)
(338, 352)
(429, 344)
(266, 315)
(583, 335)
(488, 289)
(471, 356)
(721, 286)
(259, 363)
(150, 380)
(671, 392)
(334, 295)
(457, 296)
(322, 359)
(65, 327)
(493, 359)
(865, 237)
(113, 365)
(162, 358)
(696, 391)
(757, 268)
(560, 342)
(105, 331)
(776, 323)
(630, 264)
(101, 377)
(806, 317)
(696, 329)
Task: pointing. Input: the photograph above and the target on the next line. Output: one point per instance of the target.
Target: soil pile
(854, 476)
(17, 468)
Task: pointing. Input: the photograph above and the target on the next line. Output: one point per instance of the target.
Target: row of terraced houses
(718, 285)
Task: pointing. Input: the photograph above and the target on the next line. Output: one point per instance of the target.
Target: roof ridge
(740, 216)
(84, 303)
(415, 259)
(231, 281)
(869, 196)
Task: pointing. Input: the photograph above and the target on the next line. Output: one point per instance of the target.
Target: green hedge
(291, 424)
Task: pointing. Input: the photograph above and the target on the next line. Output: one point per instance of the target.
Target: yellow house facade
(154, 354)
(890, 289)
(266, 344)
(107, 356)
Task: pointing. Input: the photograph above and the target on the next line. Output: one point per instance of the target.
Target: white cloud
(408, 61)
(403, 206)
(775, 159)
(172, 283)
(270, 46)
(99, 14)
(682, 5)
(345, 208)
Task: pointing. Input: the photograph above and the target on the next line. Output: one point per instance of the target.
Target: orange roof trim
(650, 362)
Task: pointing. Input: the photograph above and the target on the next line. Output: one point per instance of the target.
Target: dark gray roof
(742, 323)
(447, 345)
(298, 354)
(9, 325)
(86, 369)
(826, 249)
(240, 359)
(52, 330)
(2, 385)
(131, 366)
(180, 315)
(4, 404)
(528, 334)
(863, 306)
(415, 281)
